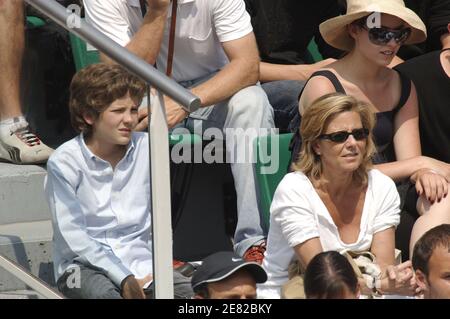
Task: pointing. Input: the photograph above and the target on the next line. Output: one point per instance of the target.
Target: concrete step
(22, 197)
(25, 224)
(29, 245)
(20, 294)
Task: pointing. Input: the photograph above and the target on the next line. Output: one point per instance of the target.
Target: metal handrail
(35, 283)
(159, 147)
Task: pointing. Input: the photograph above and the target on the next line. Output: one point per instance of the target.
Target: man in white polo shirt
(217, 58)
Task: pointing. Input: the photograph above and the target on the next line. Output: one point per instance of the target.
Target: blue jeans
(283, 96)
(249, 108)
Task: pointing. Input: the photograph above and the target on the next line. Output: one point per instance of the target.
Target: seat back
(82, 55)
(314, 52)
(272, 160)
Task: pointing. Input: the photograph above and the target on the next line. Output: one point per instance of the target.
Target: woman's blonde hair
(314, 121)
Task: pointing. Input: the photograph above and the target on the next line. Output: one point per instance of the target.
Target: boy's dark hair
(328, 275)
(95, 87)
(438, 236)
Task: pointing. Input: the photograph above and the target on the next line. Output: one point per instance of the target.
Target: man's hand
(131, 288)
(143, 281)
(143, 120)
(302, 71)
(174, 113)
(321, 64)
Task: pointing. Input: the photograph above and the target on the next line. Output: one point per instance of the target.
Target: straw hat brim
(334, 31)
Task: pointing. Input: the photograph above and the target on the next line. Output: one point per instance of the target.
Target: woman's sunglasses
(382, 36)
(341, 136)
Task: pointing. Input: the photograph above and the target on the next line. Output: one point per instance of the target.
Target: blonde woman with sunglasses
(334, 200)
(372, 32)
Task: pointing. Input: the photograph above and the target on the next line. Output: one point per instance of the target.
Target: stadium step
(25, 226)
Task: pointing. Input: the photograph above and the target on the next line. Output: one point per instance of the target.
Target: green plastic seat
(81, 55)
(314, 51)
(34, 22)
(84, 57)
(184, 139)
(272, 159)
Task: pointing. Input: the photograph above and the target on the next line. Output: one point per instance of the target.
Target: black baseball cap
(223, 264)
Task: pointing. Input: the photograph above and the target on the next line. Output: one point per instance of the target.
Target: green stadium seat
(33, 22)
(268, 175)
(314, 51)
(81, 55)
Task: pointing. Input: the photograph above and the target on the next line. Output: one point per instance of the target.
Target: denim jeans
(283, 96)
(249, 108)
(95, 284)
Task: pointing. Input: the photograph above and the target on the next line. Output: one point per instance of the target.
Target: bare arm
(316, 87)
(242, 71)
(147, 41)
(383, 247)
(410, 163)
(307, 250)
(298, 72)
(406, 141)
(395, 279)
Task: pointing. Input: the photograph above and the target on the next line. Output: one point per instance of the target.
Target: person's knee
(438, 209)
(283, 93)
(251, 100)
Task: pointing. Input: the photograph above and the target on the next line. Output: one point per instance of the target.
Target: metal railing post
(160, 189)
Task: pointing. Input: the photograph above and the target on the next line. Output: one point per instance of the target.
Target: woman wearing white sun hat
(372, 32)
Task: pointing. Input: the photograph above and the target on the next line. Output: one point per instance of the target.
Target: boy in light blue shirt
(98, 191)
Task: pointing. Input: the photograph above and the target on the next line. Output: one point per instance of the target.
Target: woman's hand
(439, 167)
(430, 184)
(399, 280)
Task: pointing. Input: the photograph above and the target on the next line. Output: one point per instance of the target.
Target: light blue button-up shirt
(101, 216)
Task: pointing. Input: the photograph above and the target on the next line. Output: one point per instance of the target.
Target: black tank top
(383, 131)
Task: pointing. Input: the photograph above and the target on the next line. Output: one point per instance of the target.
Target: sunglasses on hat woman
(383, 35)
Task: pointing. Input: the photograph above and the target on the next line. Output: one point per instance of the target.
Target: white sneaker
(23, 147)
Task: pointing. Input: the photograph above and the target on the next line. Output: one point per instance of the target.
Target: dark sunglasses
(382, 36)
(341, 136)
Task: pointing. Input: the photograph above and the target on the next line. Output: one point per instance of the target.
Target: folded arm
(111, 21)
(298, 72)
(242, 71)
(147, 41)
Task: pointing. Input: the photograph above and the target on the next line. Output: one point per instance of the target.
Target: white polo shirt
(202, 25)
